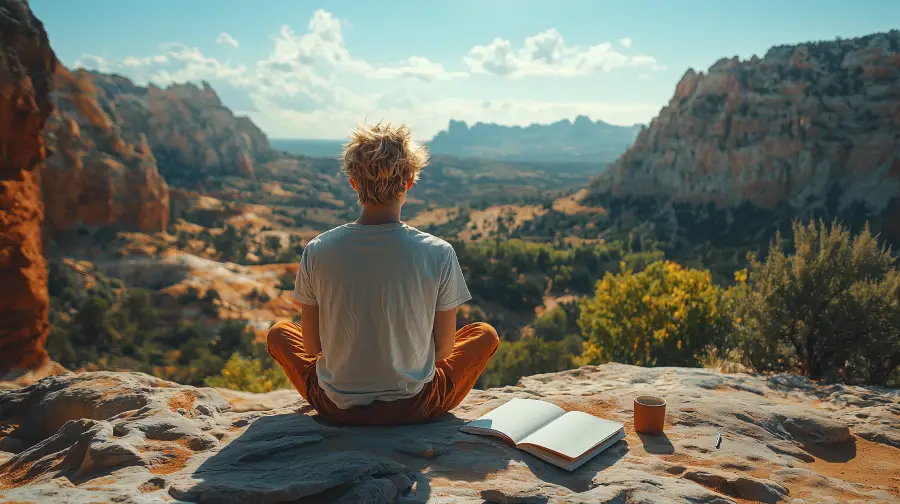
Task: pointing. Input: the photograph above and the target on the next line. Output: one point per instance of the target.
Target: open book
(565, 439)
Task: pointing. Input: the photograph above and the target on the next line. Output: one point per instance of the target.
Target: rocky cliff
(27, 64)
(191, 133)
(117, 146)
(582, 140)
(812, 126)
(129, 437)
(103, 172)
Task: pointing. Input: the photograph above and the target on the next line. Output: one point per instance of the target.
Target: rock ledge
(130, 437)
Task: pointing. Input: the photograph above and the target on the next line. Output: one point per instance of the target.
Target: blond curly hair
(381, 159)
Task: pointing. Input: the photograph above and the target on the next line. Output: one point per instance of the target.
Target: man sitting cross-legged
(377, 343)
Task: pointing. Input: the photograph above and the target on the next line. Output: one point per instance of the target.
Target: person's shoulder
(429, 240)
(325, 239)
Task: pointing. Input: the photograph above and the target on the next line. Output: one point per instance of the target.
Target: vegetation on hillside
(97, 323)
(821, 302)
(826, 306)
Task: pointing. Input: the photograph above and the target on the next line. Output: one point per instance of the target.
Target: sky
(305, 69)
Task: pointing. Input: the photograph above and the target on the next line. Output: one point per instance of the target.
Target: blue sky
(307, 69)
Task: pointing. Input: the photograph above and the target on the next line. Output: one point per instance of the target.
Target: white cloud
(227, 39)
(626, 42)
(196, 66)
(94, 62)
(311, 85)
(139, 62)
(548, 54)
(323, 43)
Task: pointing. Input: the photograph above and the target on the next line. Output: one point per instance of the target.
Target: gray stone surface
(129, 437)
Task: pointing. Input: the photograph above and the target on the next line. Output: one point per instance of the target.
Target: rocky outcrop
(26, 71)
(128, 437)
(812, 126)
(103, 173)
(191, 133)
(117, 146)
(583, 140)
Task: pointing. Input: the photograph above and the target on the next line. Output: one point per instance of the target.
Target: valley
(173, 227)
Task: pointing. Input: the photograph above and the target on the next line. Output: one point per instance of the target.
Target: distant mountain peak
(581, 140)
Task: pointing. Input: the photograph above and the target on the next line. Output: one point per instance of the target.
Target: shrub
(247, 374)
(529, 356)
(663, 316)
(211, 296)
(190, 295)
(287, 281)
(209, 306)
(829, 310)
(273, 243)
(557, 323)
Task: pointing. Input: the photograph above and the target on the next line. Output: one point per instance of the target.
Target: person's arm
(444, 333)
(452, 292)
(309, 325)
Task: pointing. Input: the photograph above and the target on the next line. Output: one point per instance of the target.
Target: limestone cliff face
(103, 172)
(26, 70)
(117, 145)
(191, 133)
(803, 125)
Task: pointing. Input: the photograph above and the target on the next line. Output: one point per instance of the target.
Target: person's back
(378, 288)
(378, 343)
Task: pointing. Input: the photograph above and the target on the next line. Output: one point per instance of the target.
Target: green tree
(830, 309)
(94, 323)
(190, 295)
(554, 325)
(287, 281)
(273, 243)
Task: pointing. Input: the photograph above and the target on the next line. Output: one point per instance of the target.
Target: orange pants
(454, 377)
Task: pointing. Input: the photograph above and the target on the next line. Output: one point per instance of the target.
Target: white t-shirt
(377, 288)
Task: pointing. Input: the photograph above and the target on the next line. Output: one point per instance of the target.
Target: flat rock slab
(132, 438)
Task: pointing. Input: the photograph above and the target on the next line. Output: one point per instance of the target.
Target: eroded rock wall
(103, 173)
(809, 125)
(27, 64)
(191, 133)
(117, 146)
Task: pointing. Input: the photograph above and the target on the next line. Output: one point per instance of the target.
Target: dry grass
(483, 223)
(729, 362)
(571, 205)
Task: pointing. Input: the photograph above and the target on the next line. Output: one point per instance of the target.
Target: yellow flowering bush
(663, 316)
(247, 374)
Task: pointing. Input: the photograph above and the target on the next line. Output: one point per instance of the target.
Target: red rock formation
(197, 131)
(790, 128)
(103, 173)
(27, 64)
(191, 133)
